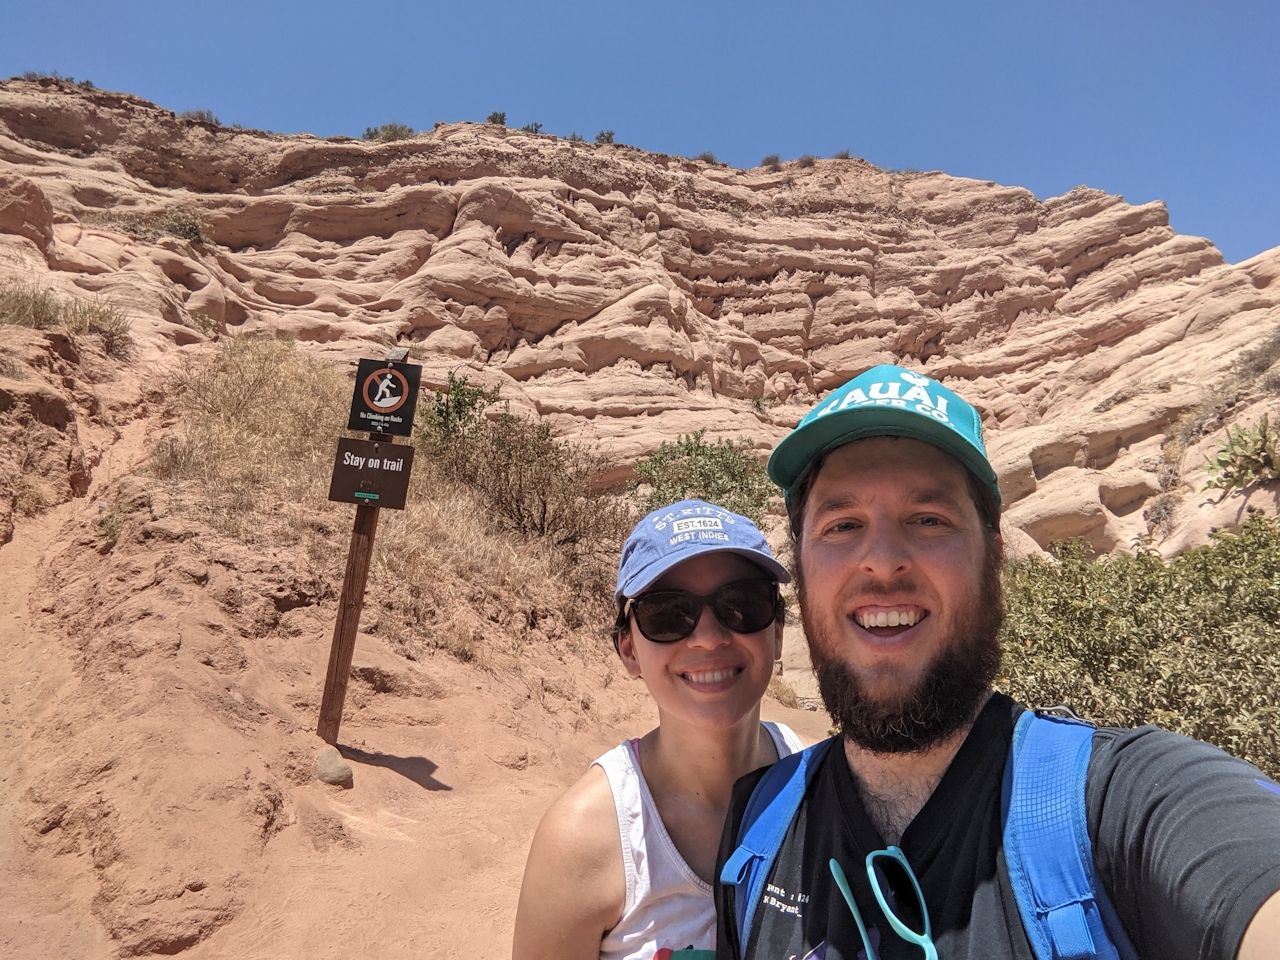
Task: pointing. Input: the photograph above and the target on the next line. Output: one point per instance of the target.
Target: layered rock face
(631, 297)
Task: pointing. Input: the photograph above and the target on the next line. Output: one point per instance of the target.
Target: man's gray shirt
(1186, 841)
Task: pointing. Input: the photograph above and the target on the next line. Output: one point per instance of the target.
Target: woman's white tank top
(668, 906)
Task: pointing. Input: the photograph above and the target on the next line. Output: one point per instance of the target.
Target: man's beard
(945, 697)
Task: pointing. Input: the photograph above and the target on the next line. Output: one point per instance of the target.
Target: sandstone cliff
(630, 296)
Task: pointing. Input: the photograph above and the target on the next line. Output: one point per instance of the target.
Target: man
(894, 512)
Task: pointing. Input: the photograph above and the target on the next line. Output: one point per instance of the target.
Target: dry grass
(183, 222)
(42, 309)
(783, 692)
(443, 576)
(260, 422)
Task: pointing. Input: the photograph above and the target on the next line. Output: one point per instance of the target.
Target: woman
(621, 865)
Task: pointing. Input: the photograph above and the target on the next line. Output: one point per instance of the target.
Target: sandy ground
(157, 792)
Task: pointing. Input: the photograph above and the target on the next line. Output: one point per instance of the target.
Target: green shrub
(200, 116)
(388, 132)
(1192, 644)
(726, 473)
(531, 483)
(772, 163)
(1246, 457)
(455, 413)
(41, 309)
(604, 136)
(706, 156)
(497, 117)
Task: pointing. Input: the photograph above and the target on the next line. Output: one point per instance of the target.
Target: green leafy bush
(498, 117)
(1246, 457)
(455, 413)
(532, 484)
(726, 473)
(604, 136)
(388, 132)
(1192, 644)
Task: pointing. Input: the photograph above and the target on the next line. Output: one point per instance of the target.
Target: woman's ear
(627, 651)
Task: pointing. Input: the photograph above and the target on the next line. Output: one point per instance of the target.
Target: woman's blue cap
(885, 401)
(687, 529)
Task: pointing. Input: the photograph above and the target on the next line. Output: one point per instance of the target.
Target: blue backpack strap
(1064, 909)
(770, 810)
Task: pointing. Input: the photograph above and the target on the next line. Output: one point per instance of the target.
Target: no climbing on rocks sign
(385, 397)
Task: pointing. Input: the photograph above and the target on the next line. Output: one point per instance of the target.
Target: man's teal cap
(886, 401)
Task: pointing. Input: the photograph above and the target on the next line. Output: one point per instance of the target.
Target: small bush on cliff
(200, 116)
(42, 309)
(388, 132)
(806, 161)
(1247, 456)
(1192, 644)
(772, 163)
(604, 136)
(498, 117)
(531, 128)
(726, 473)
(183, 222)
(706, 156)
(36, 75)
(1249, 372)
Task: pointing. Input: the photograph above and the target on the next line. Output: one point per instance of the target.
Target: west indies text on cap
(885, 401)
(687, 529)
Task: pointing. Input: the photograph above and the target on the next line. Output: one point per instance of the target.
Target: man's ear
(627, 652)
(779, 627)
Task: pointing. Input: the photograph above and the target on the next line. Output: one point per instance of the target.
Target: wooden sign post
(371, 474)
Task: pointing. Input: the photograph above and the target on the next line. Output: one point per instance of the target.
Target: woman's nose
(709, 632)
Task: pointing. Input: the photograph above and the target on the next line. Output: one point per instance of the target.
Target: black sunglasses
(743, 606)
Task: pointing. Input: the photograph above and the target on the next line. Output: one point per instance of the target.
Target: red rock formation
(631, 296)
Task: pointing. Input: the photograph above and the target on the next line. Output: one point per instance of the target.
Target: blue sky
(1170, 100)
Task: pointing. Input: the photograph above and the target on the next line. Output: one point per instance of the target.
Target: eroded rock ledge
(631, 296)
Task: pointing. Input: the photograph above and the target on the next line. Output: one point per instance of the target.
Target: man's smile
(905, 615)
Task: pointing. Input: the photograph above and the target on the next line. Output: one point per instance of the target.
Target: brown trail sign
(385, 397)
(371, 473)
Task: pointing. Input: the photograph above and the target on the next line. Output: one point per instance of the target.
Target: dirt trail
(157, 790)
(44, 907)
